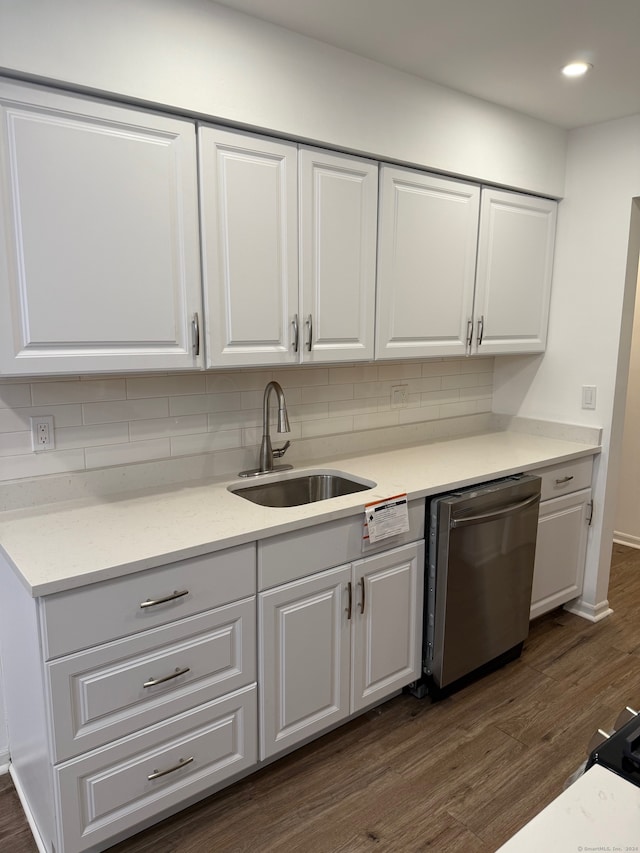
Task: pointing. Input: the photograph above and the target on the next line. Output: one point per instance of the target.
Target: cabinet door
(513, 284)
(100, 269)
(560, 551)
(304, 667)
(387, 626)
(426, 264)
(338, 225)
(248, 192)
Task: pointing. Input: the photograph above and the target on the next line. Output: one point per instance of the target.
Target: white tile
(328, 427)
(308, 411)
(39, 464)
(238, 380)
(175, 385)
(234, 419)
(231, 462)
(14, 395)
(366, 406)
(454, 410)
(432, 398)
(484, 405)
(185, 445)
(199, 404)
(376, 420)
(479, 365)
(91, 391)
(91, 436)
(166, 427)
(372, 389)
(124, 454)
(125, 410)
(414, 416)
(476, 393)
(301, 377)
(356, 373)
(16, 420)
(460, 380)
(15, 443)
(403, 370)
(424, 384)
(326, 393)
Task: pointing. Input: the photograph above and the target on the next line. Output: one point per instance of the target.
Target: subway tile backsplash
(107, 421)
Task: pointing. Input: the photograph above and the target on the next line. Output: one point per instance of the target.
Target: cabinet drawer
(290, 556)
(566, 477)
(110, 609)
(103, 694)
(109, 790)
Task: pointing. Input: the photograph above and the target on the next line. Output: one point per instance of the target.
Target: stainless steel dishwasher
(480, 569)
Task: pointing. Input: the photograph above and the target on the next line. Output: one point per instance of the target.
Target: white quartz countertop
(599, 812)
(59, 546)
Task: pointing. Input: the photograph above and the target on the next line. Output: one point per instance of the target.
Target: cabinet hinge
(590, 516)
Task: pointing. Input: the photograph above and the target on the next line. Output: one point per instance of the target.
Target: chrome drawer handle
(151, 602)
(153, 681)
(562, 480)
(158, 773)
(363, 594)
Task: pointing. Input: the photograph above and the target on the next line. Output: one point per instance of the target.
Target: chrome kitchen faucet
(267, 453)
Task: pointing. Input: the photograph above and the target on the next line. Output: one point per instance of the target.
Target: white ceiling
(506, 51)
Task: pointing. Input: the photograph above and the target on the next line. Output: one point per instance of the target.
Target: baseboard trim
(27, 811)
(592, 612)
(626, 539)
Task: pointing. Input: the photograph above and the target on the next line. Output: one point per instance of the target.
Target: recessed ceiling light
(576, 69)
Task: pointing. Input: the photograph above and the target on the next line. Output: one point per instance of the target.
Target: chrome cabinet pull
(151, 602)
(153, 681)
(195, 334)
(294, 323)
(158, 773)
(362, 601)
(469, 332)
(349, 607)
(480, 329)
(562, 480)
(309, 325)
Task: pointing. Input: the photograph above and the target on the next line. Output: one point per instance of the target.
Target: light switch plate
(588, 396)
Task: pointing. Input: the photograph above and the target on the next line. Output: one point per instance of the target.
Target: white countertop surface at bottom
(599, 812)
(59, 546)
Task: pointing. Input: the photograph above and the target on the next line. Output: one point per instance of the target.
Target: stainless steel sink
(302, 489)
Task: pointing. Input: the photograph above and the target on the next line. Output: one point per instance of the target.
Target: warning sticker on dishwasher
(386, 518)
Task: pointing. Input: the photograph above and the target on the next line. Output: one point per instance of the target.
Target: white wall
(590, 321)
(627, 520)
(196, 56)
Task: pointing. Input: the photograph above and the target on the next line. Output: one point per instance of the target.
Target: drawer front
(105, 611)
(566, 477)
(290, 556)
(108, 692)
(109, 791)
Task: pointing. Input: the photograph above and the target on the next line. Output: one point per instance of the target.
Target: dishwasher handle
(501, 512)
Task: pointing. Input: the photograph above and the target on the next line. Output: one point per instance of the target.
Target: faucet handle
(278, 452)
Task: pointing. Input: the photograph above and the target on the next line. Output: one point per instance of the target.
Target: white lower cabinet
(110, 790)
(337, 642)
(563, 527)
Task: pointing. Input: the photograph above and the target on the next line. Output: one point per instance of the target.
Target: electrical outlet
(399, 396)
(42, 436)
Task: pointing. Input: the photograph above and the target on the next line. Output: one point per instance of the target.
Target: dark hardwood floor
(460, 775)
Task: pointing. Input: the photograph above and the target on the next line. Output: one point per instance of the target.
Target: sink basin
(304, 488)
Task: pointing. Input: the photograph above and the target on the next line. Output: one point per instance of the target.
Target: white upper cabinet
(249, 212)
(426, 264)
(461, 272)
(513, 282)
(338, 225)
(99, 257)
